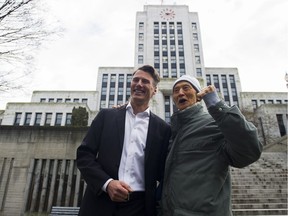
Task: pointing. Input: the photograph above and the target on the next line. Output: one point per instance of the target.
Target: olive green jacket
(197, 180)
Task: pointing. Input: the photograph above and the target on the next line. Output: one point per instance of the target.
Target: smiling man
(123, 154)
(197, 179)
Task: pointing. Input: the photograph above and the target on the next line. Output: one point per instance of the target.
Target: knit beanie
(192, 80)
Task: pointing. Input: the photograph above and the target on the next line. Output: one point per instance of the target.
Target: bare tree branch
(23, 29)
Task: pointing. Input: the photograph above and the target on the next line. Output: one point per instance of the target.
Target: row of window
(258, 102)
(116, 96)
(217, 79)
(66, 100)
(38, 118)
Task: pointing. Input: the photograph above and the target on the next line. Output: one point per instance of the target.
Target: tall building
(169, 38)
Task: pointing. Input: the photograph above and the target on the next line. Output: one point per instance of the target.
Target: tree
(24, 26)
(79, 117)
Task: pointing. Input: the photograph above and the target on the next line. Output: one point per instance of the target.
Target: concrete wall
(18, 147)
(267, 124)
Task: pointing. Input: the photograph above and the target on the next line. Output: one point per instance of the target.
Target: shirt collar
(130, 109)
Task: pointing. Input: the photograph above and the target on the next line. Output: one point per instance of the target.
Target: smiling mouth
(137, 91)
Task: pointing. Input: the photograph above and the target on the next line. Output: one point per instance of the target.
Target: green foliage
(79, 117)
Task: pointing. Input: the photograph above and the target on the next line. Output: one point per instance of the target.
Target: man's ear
(155, 90)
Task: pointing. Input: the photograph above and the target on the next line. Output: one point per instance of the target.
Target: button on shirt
(131, 169)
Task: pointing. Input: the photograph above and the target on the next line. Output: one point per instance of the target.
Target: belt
(136, 195)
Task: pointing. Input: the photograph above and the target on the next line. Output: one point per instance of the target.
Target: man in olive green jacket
(197, 180)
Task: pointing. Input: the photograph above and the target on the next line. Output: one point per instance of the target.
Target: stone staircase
(261, 188)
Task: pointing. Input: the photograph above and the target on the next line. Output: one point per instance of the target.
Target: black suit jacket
(98, 159)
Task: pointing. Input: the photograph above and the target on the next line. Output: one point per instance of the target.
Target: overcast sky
(251, 35)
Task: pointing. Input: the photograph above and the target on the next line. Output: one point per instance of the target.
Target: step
(246, 212)
(260, 206)
(258, 200)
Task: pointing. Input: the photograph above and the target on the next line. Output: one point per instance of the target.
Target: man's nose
(181, 91)
(139, 82)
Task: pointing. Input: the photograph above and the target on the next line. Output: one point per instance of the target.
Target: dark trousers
(135, 206)
(130, 208)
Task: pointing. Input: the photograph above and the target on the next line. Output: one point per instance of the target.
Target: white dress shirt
(131, 170)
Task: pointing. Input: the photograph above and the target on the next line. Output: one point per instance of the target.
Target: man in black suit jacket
(123, 154)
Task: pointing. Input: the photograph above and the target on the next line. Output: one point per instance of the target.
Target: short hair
(152, 71)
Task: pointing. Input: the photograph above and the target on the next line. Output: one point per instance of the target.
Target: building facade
(37, 163)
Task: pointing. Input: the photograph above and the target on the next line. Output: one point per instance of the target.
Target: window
(254, 104)
(104, 91)
(270, 102)
(112, 91)
(102, 104)
(38, 117)
(42, 100)
(156, 47)
(173, 59)
(27, 118)
(164, 48)
(174, 72)
(140, 59)
(156, 37)
(141, 26)
(231, 78)
(234, 93)
(105, 78)
(181, 59)
(141, 36)
(165, 72)
(59, 100)
(58, 119)
(195, 36)
(197, 59)
(48, 118)
(67, 100)
(84, 100)
(156, 59)
(172, 48)
(182, 71)
(165, 59)
(140, 47)
(17, 118)
(76, 100)
(120, 91)
(167, 109)
(194, 26)
(226, 95)
(199, 72)
(281, 125)
(171, 25)
(262, 102)
(111, 104)
(208, 79)
(51, 100)
(196, 47)
(113, 80)
(163, 25)
(156, 25)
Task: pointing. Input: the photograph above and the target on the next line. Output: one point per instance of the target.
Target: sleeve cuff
(104, 187)
(211, 99)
